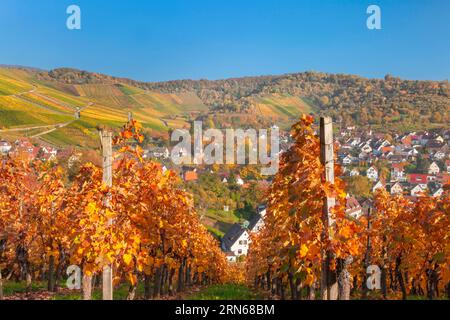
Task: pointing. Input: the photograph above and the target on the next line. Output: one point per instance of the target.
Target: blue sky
(158, 40)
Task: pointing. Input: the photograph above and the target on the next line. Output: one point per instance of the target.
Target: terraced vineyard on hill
(30, 98)
(29, 106)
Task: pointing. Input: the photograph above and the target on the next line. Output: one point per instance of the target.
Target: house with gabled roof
(372, 173)
(419, 190)
(353, 208)
(433, 168)
(434, 145)
(439, 155)
(397, 172)
(396, 188)
(406, 140)
(235, 242)
(395, 158)
(379, 185)
(347, 160)
(435, 189)
(366, 148)
(5, 147)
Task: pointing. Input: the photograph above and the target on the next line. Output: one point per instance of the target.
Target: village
(412, 164)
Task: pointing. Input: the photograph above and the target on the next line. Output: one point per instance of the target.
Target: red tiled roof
(407, 140)
(387, 149)
(190, 176)
(416, 178)
(352, 203)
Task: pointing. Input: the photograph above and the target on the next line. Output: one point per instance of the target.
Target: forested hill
(43, 104)
(352, 99)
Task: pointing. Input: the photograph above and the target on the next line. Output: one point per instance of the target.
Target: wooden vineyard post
(367, 258)
(1, 284)
(329, 285)
(106, 141)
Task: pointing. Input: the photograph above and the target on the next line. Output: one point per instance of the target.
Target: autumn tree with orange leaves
(410, 243)
(289, 250)
(407, 239)
(156, 236)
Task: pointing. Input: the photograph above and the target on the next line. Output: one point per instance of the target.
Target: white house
(409, 152)
(236, 241)
(372, 173)
(396, 188)
(354, 172)
(5, 147)
(419, 190)
(433, 168)
(363, 155)
(239, 181)
(435, 189)
(354, 141)
(49, 150)
(257, 222)
(397, 172)
(383, 144)
(366, 148)
(347, 160)
(439, 155)
(378, 185)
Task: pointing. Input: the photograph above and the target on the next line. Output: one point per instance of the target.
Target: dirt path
(52, 126)
(29, 128)
(62, 125)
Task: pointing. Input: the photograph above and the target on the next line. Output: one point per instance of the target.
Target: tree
(358, 186)
(290, 247)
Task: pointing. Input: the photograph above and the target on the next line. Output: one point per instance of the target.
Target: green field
(225, 292)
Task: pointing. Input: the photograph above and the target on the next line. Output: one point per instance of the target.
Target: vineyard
(299, 255)
(143, 226)
(130, 224)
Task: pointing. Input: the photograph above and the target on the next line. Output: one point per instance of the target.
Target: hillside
(45, 109)
(351, 99)
(42, 104)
